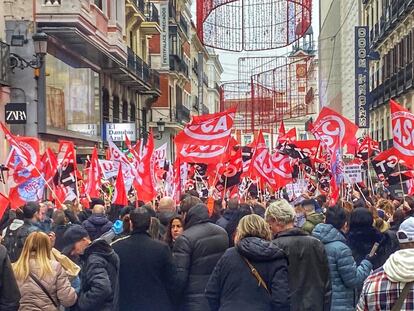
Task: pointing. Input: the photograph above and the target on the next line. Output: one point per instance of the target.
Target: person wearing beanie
(384, 288)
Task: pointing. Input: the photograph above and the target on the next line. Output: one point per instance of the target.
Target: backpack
(13, 240)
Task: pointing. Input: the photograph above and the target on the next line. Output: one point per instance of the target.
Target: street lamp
(161, 128)
(40, 48)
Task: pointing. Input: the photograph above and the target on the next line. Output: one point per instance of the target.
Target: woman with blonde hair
(42, 282)
(252, 275)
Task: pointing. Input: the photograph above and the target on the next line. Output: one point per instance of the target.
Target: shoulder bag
(37, 281)
(398, 305)
(256, 274)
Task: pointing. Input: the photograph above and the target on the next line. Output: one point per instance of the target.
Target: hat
(72, 235)
(406, 232)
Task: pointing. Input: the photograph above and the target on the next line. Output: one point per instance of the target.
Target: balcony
(183, 25)
(400, 81)
(393, 85)
(137, 7)
(182, 113)
(4, 63)
(178, 65)
(172, 11)
(135, 64)
(151, 25)
(155, 79)
(409, 76)
(204, 109)
(205, 79)
(84, 28)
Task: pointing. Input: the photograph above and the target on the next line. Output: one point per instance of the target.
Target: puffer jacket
(232, 286)
(96, 225)
(346, 276)
(196, 253)
(312, 220)
(33, 298)
(99, 278)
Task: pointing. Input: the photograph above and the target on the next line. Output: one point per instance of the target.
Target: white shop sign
(86, 129)
(117, 131)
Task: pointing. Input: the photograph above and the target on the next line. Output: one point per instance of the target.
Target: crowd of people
(182, 256)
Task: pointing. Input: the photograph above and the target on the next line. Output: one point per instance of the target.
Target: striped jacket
(379, 293)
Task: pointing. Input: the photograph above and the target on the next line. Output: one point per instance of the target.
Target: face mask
(300, 220)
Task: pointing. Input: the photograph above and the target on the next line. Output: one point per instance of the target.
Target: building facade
(391, 26)
(189, 74)
(97, 69)
(337, 20)
(4, 79)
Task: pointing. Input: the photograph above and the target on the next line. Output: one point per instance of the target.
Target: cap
(72, 235)
(406, 232)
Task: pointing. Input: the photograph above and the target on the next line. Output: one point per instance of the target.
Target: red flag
(211, 129)
(120, 196)
(282, 130)
(13, 142)
(330, 125)
(50, 164)
(290, 136)
(402, 129)
(4, 203)
(94, 176)
(366, 148)
(128, 142)
(145, 181)
(282, 169)
(335, 193)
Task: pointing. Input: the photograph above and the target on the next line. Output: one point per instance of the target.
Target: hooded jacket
(309, 279)
(346, 276)
(196, 252)
(96, 225)
(99, 278)
(232, 285)
(312, 220)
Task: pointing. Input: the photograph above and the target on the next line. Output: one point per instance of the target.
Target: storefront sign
(353, 173)
(165, 51)
(86, 129)
(362, 95)
(117, 131)
(15, 113)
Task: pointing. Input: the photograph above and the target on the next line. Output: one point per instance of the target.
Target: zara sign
(15, 113)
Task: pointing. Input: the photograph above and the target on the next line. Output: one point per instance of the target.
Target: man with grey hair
(309, 279)
(166, 211)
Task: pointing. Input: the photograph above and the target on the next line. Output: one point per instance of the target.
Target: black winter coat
(9, 291)
(96, 225)
(232, 286)
(146, 275)
(99, 278)
(309, 277)
(59, 232)
(196, 252)
(361, 241)
(224, 220)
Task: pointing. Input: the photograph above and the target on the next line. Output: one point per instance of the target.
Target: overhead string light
(252, 25)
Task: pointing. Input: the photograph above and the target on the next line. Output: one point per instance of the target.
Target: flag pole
(401, 181)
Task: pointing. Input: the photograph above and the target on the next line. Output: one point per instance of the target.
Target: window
(133, 112)
(72, 97)
(115, 109)
(99, 4)
(105, 105)
(124, 111)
